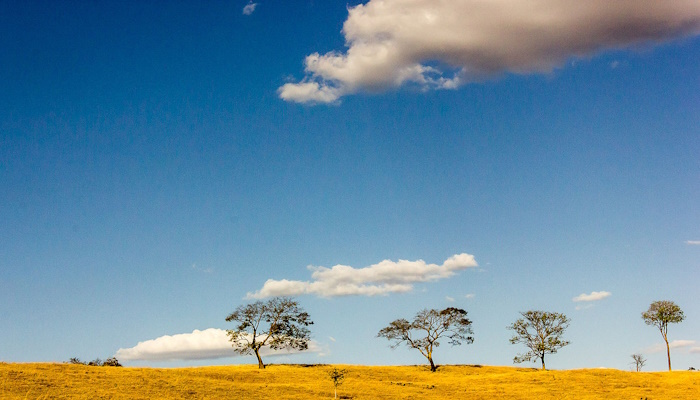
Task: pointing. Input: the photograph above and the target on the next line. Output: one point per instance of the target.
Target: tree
(451, 323)
(541, 332)
(638, 361)
(660, 314)
(337, 376)
(278, 323)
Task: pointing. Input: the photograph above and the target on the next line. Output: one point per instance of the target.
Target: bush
(110, 362)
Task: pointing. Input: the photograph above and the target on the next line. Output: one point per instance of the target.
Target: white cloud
(249, 8)
(450, 299)
(378, 279)
(676, 344)
(441, 44)
(594, 296)
(469, 296)
(693, 242)
(694, 350)
(199, 345)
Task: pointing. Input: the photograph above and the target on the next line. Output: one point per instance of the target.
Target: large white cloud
(444, 43)
(593, 296)
(210, 343)
(378, 279)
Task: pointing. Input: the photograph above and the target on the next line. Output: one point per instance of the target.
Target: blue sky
(153, 173)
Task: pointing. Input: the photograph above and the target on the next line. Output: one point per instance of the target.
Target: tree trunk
(260, 362)
(433, 368)
(542, 358)
(668, 353)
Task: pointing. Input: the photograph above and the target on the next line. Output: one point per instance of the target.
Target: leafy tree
(451, 323)
(337, 376)
(541, 332)
(660, 314)
(279, 323)
(638, 361)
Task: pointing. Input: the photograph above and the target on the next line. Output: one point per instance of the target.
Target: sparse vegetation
(541, 332)
(279, 323)
(660, 314)
(451, 323)
(337, 377)
(110, 362)
(638, 361)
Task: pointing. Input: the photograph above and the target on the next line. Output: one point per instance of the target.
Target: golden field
(66, 381)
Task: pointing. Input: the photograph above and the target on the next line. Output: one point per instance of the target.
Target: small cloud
(450, 299)
(207, 344)
(693, 242)
(469, 296)
(695, 350)
(676, 344)
(249, 8)
(376, 280)
(200, 269)
(614, 64)
(594, 296)
(331, 338)
(584, 307)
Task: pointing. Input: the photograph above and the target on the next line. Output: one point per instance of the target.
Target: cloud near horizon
(378, 279)
(676, 344)
(594, 296)
(207, 344)
(442, 44)
(693, 242)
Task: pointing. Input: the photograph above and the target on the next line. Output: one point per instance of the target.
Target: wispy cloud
(593, 296)
(469, 296)
(442, 44)
(694, 350)
(197, 268)
(207, 344)
(693, 242)
(676, 344)
(450, 299)
(249, 8)
(378, 279)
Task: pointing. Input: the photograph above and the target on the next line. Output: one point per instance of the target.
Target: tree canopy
(541, 332)
(427, 327)
(660, 314)
(279, 323)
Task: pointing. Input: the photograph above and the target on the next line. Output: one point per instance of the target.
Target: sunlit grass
(49, 381)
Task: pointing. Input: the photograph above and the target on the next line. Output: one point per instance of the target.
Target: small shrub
(75, 360)
(111, 362)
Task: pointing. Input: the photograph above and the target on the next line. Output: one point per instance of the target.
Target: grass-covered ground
(51, 381)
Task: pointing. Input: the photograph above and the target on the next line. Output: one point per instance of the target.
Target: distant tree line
(110, 362)
(280, 323)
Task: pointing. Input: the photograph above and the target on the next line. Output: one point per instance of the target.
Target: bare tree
(451, 323)
(660, 314)
(541, 332)
(638, 361)
(278, 323)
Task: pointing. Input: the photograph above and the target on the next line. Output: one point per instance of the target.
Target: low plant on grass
(337, 376)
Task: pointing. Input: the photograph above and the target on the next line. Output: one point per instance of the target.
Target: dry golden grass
(64, 381)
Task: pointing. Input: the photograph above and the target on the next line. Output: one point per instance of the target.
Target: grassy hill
(43, 380)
